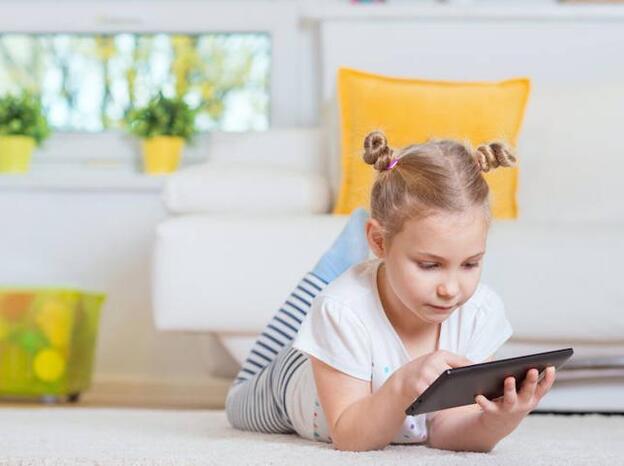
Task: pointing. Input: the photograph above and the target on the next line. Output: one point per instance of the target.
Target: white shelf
(82, 177)
(320, 11)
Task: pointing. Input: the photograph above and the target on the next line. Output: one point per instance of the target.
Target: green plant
(22, 115)
(162, 116)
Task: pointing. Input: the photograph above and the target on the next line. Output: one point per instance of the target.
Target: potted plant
(22, 127)
(164, 125)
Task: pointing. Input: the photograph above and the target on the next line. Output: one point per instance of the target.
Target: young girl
(357, 341)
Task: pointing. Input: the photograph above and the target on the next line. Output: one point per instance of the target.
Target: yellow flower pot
(15, 153)
(161, 154)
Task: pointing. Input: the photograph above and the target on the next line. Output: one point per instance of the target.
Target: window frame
(278, 18)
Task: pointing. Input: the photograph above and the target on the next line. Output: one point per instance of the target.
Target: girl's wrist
(398, 389)
(502, 425)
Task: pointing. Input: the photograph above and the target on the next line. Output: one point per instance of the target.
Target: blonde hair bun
(492, 155)
(376, 150)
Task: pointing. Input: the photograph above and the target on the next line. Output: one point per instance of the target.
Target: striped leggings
(256, 400)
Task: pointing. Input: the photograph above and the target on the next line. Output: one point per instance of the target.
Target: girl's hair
(421, 179)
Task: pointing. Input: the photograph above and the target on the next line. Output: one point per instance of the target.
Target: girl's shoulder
(485, 300)
(482, 327)
(353, 286)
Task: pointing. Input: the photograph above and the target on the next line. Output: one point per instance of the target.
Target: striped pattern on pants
(256, 400)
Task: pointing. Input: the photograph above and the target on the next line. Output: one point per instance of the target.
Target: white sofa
(247, 224)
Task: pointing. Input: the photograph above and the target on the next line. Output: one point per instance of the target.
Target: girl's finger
(485, 404)
(546, 383)
(529, 384)
(510, 397)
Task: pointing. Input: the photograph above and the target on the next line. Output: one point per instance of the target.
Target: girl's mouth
(441, 308)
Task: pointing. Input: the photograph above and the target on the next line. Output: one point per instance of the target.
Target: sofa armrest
(244, 188)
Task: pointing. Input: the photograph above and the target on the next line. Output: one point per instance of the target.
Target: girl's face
(433, 265)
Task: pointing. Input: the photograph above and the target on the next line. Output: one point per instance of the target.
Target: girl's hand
(506, 412)
(416, 376)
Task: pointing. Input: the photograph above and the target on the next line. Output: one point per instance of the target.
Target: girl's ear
(375, 237)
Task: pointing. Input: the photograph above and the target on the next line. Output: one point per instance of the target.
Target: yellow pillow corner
(440, 109)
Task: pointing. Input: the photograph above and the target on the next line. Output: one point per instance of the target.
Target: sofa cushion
(221, 187)
(558, 281)
(411, 111)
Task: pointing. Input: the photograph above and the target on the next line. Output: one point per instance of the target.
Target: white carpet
(81, 436)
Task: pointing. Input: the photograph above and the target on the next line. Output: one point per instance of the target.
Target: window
(88, 81)
(269, 28)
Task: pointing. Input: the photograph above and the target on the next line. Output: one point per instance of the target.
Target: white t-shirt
(347, 329)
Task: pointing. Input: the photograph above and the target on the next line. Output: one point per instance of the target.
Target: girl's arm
(480, 428)
(462, 429)
(446, 435)
(358, 420)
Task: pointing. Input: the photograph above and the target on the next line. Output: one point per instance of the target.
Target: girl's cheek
(470, 286)
(420, 287)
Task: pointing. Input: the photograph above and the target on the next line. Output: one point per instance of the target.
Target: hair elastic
(392, 164)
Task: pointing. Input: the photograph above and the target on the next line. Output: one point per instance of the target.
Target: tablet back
(460, 386)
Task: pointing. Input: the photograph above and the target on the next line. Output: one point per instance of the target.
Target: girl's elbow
(346, 446)
(439, 444)
(343, 445)
(481, 449)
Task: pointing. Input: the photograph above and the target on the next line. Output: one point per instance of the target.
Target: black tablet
(459, 386)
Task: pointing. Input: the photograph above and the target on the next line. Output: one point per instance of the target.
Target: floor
(153, 423)
(124, 393)
(137, 437)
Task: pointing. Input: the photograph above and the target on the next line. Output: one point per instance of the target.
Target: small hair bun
(376, 150)
(492, 155)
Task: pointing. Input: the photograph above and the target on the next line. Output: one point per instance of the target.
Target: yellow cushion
(411, 111)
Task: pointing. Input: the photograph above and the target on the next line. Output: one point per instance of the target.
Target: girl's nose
(448, 289)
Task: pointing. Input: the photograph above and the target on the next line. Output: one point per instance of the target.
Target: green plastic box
(47, 341)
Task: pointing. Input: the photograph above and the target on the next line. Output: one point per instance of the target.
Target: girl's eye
(430, 266)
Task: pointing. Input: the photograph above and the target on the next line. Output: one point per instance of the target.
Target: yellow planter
(161, 154)
(15, 153)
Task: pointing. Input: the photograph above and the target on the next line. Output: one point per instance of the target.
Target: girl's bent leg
(282, 328)
(255, 400)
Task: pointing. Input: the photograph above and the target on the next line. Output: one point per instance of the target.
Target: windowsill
(83, 177)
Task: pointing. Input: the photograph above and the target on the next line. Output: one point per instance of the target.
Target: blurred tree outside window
(87, 82)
